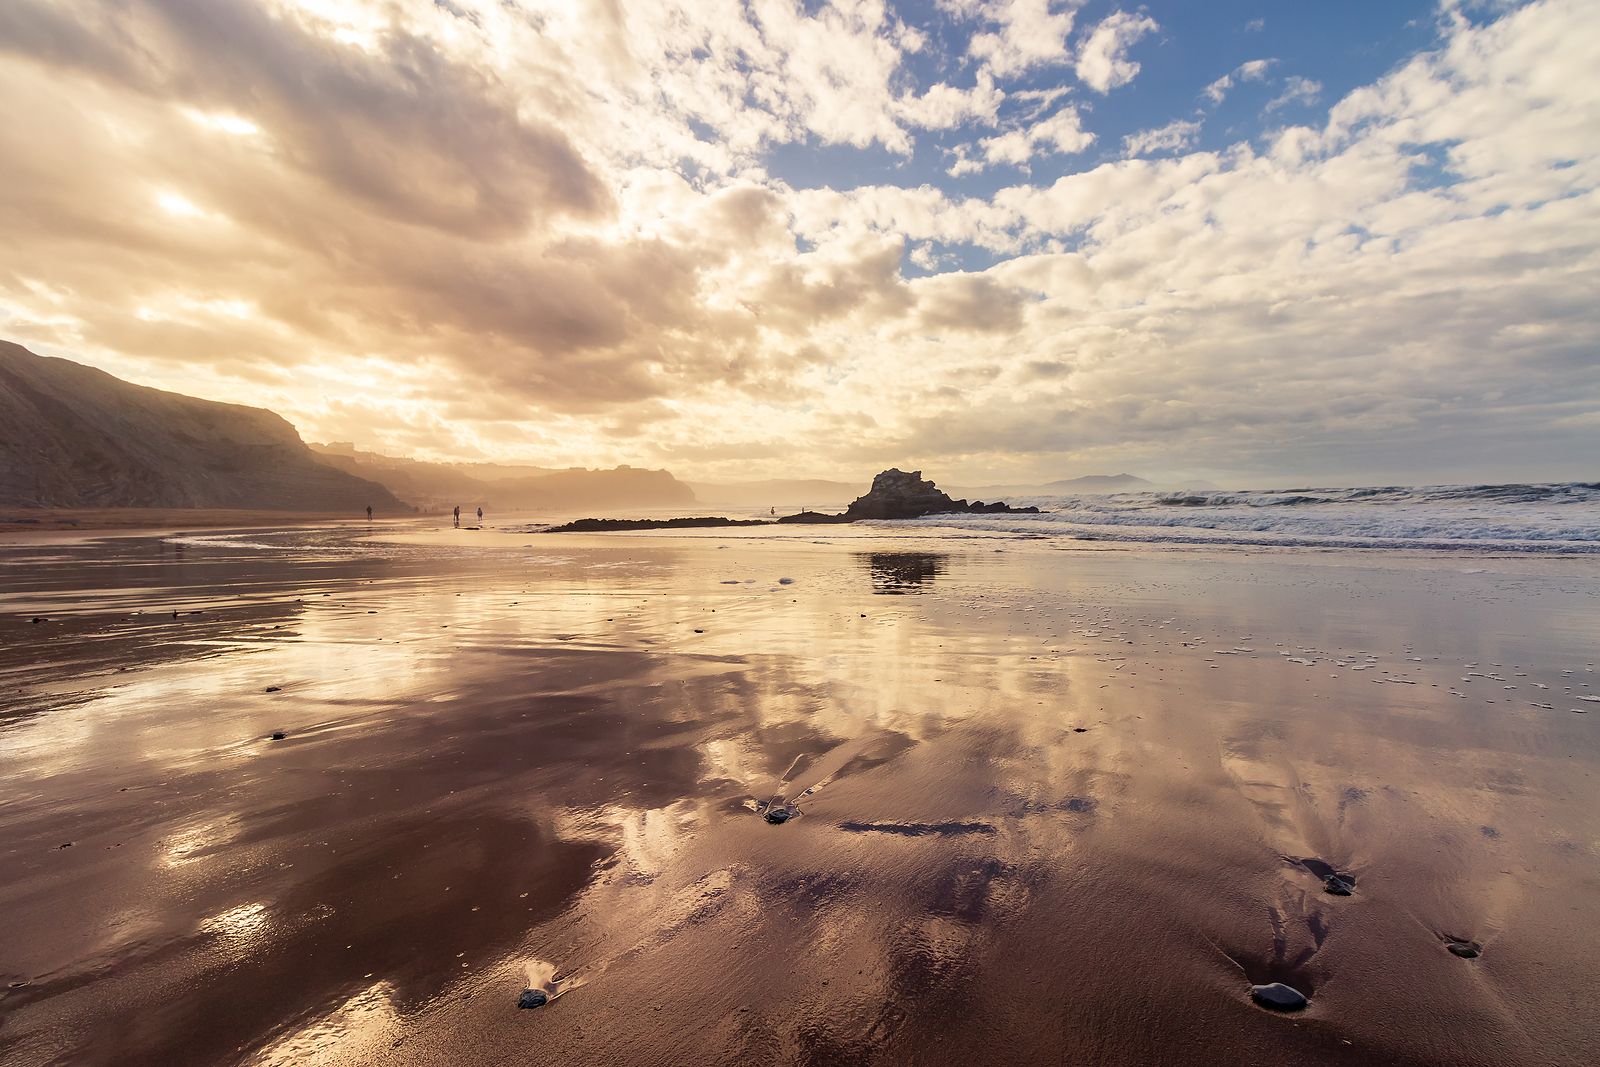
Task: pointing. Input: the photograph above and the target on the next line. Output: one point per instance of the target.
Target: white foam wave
(1546, 518)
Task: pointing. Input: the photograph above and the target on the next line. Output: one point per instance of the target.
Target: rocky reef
(896, 494)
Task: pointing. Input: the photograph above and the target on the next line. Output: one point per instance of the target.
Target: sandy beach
(1035, 802)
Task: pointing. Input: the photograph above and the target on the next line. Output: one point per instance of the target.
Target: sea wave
(1557, 517)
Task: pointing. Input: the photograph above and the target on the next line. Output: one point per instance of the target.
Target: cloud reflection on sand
(1014, 792)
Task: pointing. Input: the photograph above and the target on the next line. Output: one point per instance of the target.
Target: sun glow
(222, 122)
(178, 205)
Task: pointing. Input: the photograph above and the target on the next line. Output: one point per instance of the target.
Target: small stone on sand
(778, 815)
(1467, 950)
(273, 688)
(278, 735)
(1276, 996)
(1338, 885)
(533, 998)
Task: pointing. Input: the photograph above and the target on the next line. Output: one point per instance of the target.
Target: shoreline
(55, 520)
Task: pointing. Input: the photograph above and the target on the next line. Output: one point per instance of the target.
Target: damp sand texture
(312, 797)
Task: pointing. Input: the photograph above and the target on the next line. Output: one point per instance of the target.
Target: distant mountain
(1089, 483)
(73, 436)
(778, 492)
(509, 488)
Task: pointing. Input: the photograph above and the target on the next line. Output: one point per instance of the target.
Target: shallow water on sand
(1037, 805)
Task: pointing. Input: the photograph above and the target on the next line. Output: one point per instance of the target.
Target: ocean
(1561, 518)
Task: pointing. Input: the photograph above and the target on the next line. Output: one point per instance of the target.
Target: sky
(1243, 242)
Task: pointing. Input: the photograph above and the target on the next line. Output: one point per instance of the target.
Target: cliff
(74, 436)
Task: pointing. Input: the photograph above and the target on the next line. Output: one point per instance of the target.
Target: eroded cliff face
(74, 436)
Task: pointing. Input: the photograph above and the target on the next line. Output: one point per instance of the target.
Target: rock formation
(894, 495)
(898, 495)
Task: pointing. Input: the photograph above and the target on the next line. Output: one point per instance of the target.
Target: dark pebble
(67, 844)
(777, 816)
(1278, 997)
(274, 688)
(1338, 886)
(533, 998)
(278, 735)
(38, 618)
(1467, 950)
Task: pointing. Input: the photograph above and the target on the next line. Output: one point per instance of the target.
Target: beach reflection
(894, 573)
(525, 771)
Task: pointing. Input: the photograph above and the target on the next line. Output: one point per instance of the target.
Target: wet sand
(1038, 805)
(32, 520)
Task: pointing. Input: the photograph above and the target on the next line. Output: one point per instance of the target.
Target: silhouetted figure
(458, 516)
(480, 516)
(369, 512)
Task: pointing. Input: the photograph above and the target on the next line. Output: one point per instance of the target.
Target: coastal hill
(507, 488)
(72, 436)
(775, 492)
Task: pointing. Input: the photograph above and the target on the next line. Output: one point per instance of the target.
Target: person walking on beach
(480, 516)
(369, 512)
(458, 516)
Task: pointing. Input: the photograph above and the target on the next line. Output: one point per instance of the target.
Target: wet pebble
(1467, 950)
(39, 618)
(533, 998)
(777, 816)
(1338, 885)
(274, 688)
(278, 735)
(1275, 996)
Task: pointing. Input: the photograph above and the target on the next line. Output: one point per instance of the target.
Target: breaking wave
(1562, 517)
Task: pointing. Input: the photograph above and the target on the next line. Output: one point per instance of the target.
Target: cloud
(1296, 90)
(1102, 62)
(522, 230)
(1026, 34)
(1251, 70)
(944, 107)
(1176, 134)
(1060, 134)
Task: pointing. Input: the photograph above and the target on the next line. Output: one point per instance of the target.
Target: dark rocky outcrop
(895, 494)
(814, 518)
